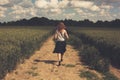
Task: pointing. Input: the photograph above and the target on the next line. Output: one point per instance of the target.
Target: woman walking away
(60, 36)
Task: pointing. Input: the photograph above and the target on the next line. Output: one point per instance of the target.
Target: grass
(19, 43)
(32, 73)
(111, 35)
(89, 75)
(109, 76)
(33, 68)
(107, 41)
(69, 65)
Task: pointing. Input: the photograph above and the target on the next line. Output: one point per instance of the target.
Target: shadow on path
(45, 61)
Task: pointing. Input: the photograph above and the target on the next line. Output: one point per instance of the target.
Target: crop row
(107, 42)
(91, 56)
(18, 44)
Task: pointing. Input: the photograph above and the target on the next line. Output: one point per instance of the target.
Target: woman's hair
(61, 26)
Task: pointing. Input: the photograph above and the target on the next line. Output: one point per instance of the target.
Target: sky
(94, 10)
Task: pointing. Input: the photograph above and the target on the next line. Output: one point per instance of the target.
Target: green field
(99, 48)
(19, 43)
(109, 35)
(106, 40)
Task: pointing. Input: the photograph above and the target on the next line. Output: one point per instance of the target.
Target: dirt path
(115, 71)
(42, 65)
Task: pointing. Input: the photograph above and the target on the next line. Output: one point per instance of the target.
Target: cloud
(18, 10)
(16, 1)
(95, 8)
(41, 4)
(3, 9)
(26, 4)
(51, 4)
(69, 15)
(17, 17)
(84, 14)
(79, 11)
(2, 12)
(3, 2)
(63, 4)
(85, 4)
(106, 6)
(56, 11)
(60, 9)
(9, 3)
(103, 12)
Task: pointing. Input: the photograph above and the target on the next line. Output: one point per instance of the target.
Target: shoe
(61, 60)
(59, 63)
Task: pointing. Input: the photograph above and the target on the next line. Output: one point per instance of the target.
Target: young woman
(60, 36)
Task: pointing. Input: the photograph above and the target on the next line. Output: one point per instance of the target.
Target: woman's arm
(66, 34)
(55, 35)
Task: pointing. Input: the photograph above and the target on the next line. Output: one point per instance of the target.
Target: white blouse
(60, 35)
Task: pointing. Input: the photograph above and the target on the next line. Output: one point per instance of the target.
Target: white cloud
(2, 14)
(95, 8)
(19, 10)
(56, 11)
(83, 4)
(2, 11)
(17, 17)
(102, 12)
(33, 11)
(69, 15)
(84, 13)
(51, 4)
(3, 2)
(41, 4)
(105, 13)
(63, 4)
(11, 3)
(79, 11)
(106, 7)
(89, 5)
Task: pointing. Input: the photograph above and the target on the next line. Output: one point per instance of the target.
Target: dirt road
(42, 65)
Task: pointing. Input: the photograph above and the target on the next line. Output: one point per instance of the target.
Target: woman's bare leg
(59, 58)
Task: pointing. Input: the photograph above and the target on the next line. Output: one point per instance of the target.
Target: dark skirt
(60, 47)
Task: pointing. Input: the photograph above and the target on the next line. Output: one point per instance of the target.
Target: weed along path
(42, 65)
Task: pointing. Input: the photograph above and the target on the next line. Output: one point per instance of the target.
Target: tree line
(42, 21)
